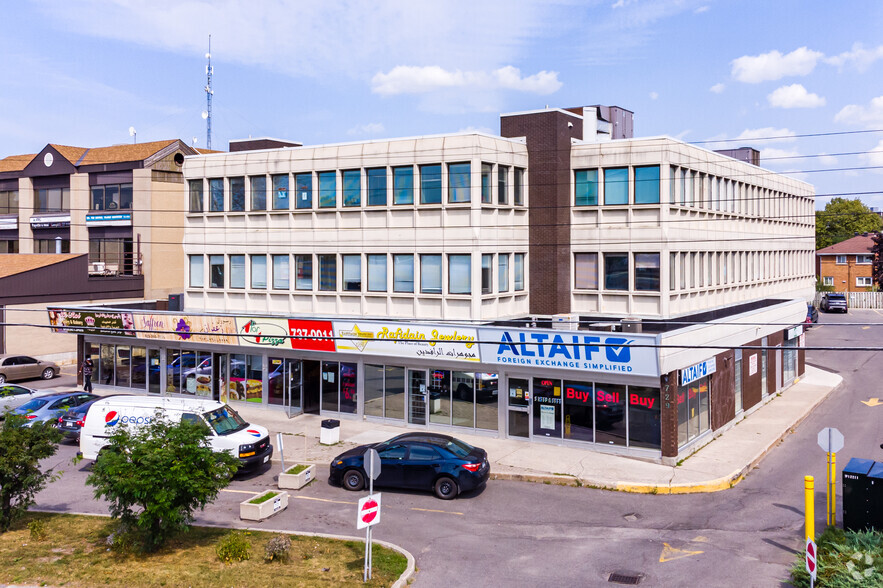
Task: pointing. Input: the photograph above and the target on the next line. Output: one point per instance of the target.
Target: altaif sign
(698, 371)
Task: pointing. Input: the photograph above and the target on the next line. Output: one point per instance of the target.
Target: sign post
(369, 507)
(281, 453)
(831, 441)
(811, 563)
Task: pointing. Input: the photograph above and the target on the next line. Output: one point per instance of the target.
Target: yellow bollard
(808, 506)
(833, 490)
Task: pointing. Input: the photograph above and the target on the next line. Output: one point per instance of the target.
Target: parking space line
(325, 500)
(239, 491)
(441, 511)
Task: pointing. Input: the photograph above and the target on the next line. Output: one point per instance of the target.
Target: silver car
(13, 396)
(52, 406)
(23, 367)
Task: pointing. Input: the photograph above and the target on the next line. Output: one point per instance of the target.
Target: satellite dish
(131, 131)
(204, 115)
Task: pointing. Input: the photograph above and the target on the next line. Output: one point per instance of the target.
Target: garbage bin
(330, 432)
(875, 497)
(857, 494)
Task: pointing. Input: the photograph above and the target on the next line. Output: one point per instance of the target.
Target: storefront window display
(246, 378)
(546, 408)
(644, 417)
(440, 397)
(610, 423)
(385, 391)
(693, 417)
(789, 361)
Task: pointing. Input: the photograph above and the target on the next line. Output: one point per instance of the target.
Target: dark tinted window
(10, 361)
(34, 404)
(63, 403)
(10, 390)
(458, 448)
(25, 360)
(423, 453)
(394, 452)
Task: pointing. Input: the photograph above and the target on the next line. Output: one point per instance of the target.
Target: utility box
(330, 432)
(875, 497)
(857, 496)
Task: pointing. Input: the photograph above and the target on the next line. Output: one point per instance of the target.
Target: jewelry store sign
(407, 340)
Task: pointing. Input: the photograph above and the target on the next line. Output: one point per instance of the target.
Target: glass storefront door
(546, 408)
(293, 377)
(417, 397)
(519, 406)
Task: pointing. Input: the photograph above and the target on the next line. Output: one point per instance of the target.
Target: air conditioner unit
(96, 267)
(567, 322)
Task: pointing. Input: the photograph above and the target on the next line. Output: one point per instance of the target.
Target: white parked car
(12, 396)
(228, 431)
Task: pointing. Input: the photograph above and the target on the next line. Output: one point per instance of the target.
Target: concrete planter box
(299, 480)
(257, 512)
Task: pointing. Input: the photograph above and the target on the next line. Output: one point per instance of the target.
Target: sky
(800, 80)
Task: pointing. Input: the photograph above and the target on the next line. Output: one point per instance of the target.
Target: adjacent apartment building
(562, 282)
(847, 266)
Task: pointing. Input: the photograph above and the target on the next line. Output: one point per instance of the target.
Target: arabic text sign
(584, 351)
(219, 330)
(118, 324)
(407, 340)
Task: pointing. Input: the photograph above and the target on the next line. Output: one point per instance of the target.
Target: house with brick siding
(562, 282)
(848, 265)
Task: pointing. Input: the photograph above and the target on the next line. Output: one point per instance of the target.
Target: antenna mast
(208, 96)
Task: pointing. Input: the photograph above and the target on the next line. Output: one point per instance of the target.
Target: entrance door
(311, 388)
(293, 372)
(417, 397)
(519, 407)
(546, 398)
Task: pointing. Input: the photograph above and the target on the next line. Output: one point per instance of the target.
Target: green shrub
(845, 559)
(297, 469)
(234, 546)
(278, 549)
(263, 498)
(38, 530)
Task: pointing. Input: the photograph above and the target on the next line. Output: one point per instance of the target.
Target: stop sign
(369, 511)
(811, 558)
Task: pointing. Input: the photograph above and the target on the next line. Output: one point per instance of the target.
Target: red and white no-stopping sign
(369, 511)
(811, 558)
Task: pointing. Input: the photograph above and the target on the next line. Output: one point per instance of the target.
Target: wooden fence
(859, 299)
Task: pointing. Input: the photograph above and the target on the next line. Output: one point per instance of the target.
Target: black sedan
(419, 461)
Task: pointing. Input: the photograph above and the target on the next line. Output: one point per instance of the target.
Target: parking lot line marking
(325, 500)
(239, 491)
(441, 511)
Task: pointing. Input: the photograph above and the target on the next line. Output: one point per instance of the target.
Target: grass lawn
(74, 553)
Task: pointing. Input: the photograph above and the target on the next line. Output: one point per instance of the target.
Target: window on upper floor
(647, 185)
(303, 191)
(216, 271)
(117, 255)
(196, 195)
(585, 187)
(237, 271)
(841, 260)
(9, 246)
(487, 273)
(460, 274)
(487, 170)
(303, 272)
(864, 259)
(258, 192)
(403, 185)
(328, 189)
(403, 272)
(112, 197)
(328, 273)
(502, 184)
(376, 186)
(280, 192)
(281, 277)
(430, 184)
(647, 272)
(237, 194)
(377, 272)
(352, 273)
(431, 274)
(352, 187)
(616, 185)
(518, 272)
(259, 272)
(8, 201)
(616, 271)
(52, 245)
(585, 271)
(519, 186)
(503, 272)
(216, 195)
(53, 200)
(459, 182)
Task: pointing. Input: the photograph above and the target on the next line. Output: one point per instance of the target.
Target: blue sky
(81, 72)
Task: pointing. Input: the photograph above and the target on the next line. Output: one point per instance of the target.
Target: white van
(228, 431)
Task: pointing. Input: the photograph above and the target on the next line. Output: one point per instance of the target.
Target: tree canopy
(841, 219)
(877, 267)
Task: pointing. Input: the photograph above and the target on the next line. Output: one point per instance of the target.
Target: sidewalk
(717, 466)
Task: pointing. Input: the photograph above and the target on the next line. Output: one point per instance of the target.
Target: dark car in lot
(832, 301)
(72, 421)
(812, 313)
(418, 461)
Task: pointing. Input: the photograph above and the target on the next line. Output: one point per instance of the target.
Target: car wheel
(353, 480)
(446, 488)
(2, 379)
(48, 374)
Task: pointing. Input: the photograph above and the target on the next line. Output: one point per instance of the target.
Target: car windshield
(225, 420)
(459, 448)
(33, 405)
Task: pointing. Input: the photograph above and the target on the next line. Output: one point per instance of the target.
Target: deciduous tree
(877, 267)
(841, 219)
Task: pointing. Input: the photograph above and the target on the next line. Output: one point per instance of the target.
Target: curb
(409, 572)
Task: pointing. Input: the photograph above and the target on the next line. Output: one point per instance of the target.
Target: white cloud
(779, 156)
(367, 129)
(701, 9)
(405, 79)
(794, 96)
(472, 129)
(717, 88)
(774, 65)
(871, 115)
(875, 157)
(859, 58)
(782, 135)
(654, 95)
